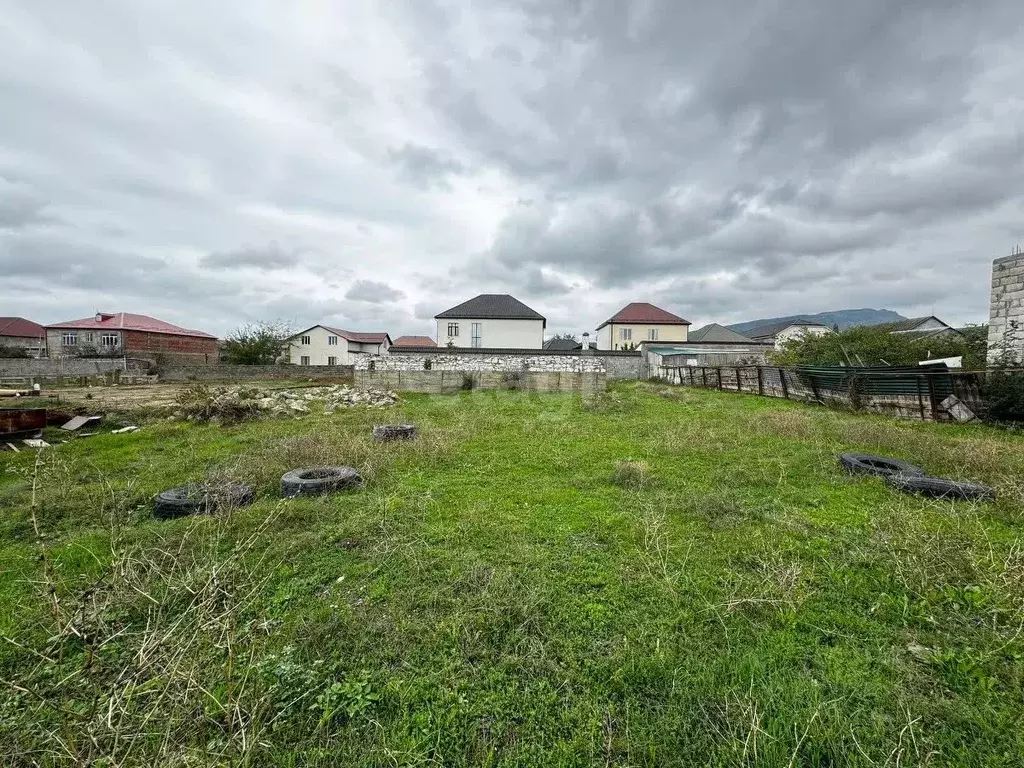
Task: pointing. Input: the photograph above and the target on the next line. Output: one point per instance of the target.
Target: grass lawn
(505, 592)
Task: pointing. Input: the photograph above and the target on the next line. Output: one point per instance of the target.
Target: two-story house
(132, 335)
(638, 322)
(492, 321)
(324, 345)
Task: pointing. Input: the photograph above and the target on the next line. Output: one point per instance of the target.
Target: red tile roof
(19, 326)
(361, 338)
(126, 321)
(642, 312)
(414, 341)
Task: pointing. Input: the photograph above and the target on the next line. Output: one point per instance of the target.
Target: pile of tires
(200, 499)
(909, 478)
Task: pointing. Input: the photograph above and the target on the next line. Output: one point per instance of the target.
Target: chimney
(586, 344)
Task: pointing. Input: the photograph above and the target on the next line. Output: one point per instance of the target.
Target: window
(332, 341)
(69, 339)
(332, 361)
(305, 340)
(304, 360)
(476, 335)
(626, 334)
(108, 340)
(87, 337)
(453, 329)
(652, 334)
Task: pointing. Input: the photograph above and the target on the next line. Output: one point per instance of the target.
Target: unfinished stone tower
(1006, 306)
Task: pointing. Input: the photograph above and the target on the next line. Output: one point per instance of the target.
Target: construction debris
(36, 443)
(122, 430)
(227, 405)
(954, 407)
(80, 421)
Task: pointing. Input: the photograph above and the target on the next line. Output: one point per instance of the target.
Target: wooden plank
(17, 420)
(920, 398)
(739, 384)
(760, 381)
(782, 378)
(932, 400)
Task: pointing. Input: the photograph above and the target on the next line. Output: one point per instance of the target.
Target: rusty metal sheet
(14, 421)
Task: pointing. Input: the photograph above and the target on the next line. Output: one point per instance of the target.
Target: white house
(492, 321)
(780, 333)
(323, 345)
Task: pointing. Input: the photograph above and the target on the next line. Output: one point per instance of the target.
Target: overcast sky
(369, 164)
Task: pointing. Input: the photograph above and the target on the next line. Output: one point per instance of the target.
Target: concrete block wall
(1006, 306)
(230, 373)
(72, 366)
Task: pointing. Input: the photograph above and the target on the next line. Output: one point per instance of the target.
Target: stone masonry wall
(1006, 306)
(507, 363)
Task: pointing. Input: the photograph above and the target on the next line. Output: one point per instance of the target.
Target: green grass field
(506, 590)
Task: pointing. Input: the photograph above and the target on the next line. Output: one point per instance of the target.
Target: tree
(259, 343)
(1004, 384)
(876, 345)
(566, 337)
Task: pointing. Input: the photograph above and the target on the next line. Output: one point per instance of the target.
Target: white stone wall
(1006, 305)
(493, 363)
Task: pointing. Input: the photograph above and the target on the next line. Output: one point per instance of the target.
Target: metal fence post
(920, 398)
(760, 381)
(782, 378)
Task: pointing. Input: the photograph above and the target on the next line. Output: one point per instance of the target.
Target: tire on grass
(870, 464)
(196, 499)
(316, 481)
(941, 488)
(389, 432)
(178, 502)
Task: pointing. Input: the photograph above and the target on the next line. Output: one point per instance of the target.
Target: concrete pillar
(1006, 307)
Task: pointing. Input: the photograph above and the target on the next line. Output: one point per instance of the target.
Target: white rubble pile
(240, 402)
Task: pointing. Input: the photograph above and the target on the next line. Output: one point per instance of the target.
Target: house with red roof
(19, 333)
(324, 345)
(131, 335)
(638, 322)
(414, 341)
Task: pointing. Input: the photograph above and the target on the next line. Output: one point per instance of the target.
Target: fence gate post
(931, 399)
(782, 378)
(760, 381)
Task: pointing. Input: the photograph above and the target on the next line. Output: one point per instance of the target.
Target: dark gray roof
(719, 333)
(491, 306)
(562, 344)
(910, 324)
(773, 330)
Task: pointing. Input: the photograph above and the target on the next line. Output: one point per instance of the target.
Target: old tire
(388, 432)
(196, 499)
(870, 464)
(178, 502)
(941, 488)
(315, 481)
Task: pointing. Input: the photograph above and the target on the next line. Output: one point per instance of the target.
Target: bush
(631, 474)
(6, 351)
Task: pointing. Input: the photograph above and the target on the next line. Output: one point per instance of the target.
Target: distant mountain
(844, 318)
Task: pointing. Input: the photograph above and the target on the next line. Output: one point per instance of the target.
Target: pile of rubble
(227, 405)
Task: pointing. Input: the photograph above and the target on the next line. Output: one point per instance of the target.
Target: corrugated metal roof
(20, 327)
(718, 333)
(127, 321)
(880, 380)
(643, 312)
